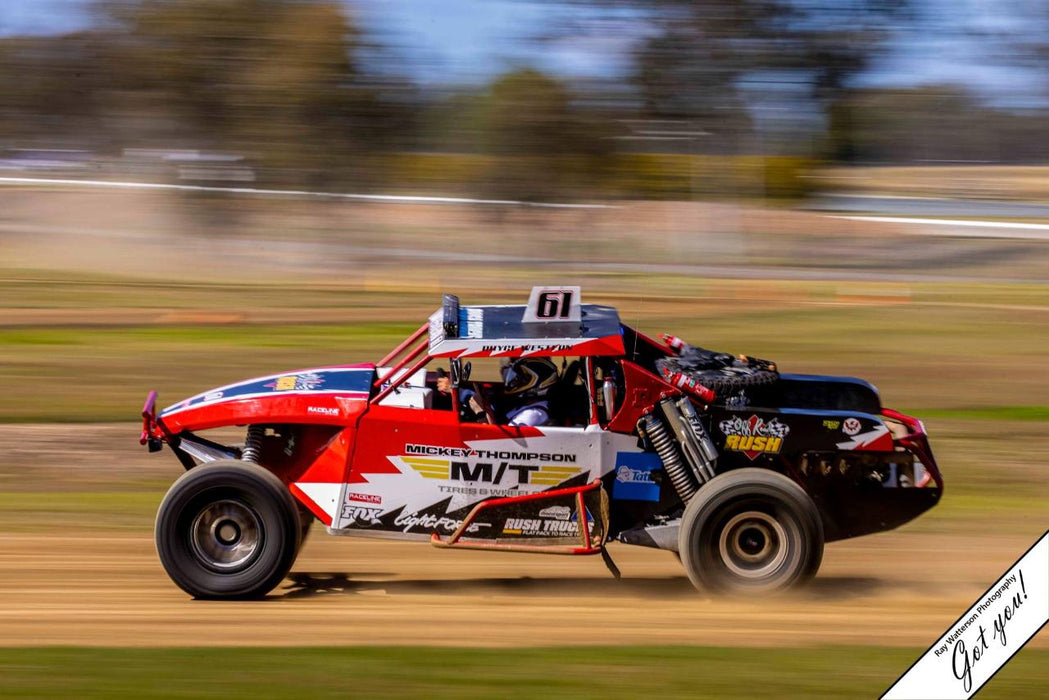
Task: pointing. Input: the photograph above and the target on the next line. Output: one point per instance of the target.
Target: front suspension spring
(253, 444)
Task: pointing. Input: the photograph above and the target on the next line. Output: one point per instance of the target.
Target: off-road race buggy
(742, 470)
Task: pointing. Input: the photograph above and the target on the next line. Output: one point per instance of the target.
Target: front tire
(227, 530)
(750, 530)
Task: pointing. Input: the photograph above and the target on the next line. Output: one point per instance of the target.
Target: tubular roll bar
(407, 373)
(586, 546)
(404, 345)
(418, 350)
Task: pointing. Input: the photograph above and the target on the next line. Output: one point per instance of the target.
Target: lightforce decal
(754, 436)
(430, 521)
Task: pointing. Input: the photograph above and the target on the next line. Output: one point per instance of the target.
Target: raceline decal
(353, 382)
(364, 498)
(754, 436)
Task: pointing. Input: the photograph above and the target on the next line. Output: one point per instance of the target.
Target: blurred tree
(693, 65)
(933, 123)
(276, 79)
(545, 144)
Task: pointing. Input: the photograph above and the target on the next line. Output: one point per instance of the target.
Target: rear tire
(750, 530)
(227, 530)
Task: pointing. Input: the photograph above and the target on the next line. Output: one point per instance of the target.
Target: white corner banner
(986, 636)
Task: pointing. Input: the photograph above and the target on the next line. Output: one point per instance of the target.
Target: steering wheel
(489, 414)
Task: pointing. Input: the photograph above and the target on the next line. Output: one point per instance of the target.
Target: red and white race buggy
(745, 472)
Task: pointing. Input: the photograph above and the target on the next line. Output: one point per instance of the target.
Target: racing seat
(569, 401)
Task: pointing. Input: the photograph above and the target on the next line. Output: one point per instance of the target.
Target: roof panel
(498, 331)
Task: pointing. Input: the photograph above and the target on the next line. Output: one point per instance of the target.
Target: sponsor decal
(490, 472)
(429, 521)
(877, 438)
(440, 451)
(496, 467)
(540, 527)
(360, 515)
(634, 480)
(213, 396)
(832, 424)
(851, 426)
(296, 382)
(364, 498)
(526, 349)
(323, 410)
(556, 512)
(987, 635)
(474, 322)
(754, 436)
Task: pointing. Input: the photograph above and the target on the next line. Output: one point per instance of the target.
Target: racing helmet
(529, 377)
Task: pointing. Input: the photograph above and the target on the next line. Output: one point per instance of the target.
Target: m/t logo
(483, 471)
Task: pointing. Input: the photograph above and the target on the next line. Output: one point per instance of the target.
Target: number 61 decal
(553, 305)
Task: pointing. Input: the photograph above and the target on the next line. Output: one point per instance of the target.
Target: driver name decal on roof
(754, 436)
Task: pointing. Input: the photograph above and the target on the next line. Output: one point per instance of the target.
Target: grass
(984, 361)
(968, 359)
(33, 511)
(408, 672)
(992, 413)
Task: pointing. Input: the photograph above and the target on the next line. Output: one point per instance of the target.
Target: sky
(469, 41)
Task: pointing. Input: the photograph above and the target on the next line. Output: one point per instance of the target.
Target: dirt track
(105, 586)
(893, 589)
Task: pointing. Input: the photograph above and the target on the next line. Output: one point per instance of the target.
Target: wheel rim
(753, 545)
(226, 536)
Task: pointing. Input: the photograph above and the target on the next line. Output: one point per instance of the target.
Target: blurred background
(197, 191)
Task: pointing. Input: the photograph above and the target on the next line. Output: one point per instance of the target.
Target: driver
(526, 383)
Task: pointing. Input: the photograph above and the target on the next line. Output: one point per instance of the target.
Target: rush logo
(754, 436)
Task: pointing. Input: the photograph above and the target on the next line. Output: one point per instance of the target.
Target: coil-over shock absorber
(253, 444)
(652, 427)
(682, 443)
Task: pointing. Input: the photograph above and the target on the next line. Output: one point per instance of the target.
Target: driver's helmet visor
(516, 377)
